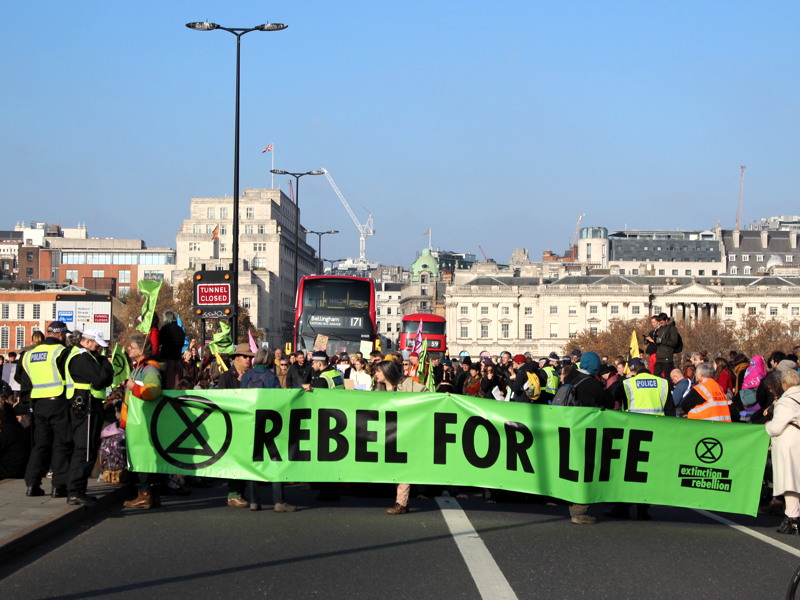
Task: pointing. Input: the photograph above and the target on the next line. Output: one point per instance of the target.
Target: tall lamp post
(319, 235)
(297, 177)
(238, 32)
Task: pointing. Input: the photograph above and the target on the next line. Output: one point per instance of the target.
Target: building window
(20, 336)
(4, 333)
(484, 330)
(674, 271)
(573, 310)
(194, 246)
(388, 328)
(72, 275)
(528, 310)
(701, 272)
(124, 276)
(759, 258)
(197, 229)
(554, 310)
(378, 311)
(635, 309)
(593, 309)
(746, 271)
(528, 331)
(388, 310)
(751, 310)
(745, 257)
(553, 330)
(464, 310)
(260, 247)
(634, 271)
(615, 310)
(223, 229)
(210, 229)
(504, 310)
(734, 270)
(30, 256)
(262, 229)
(248, 230)
(210, 212)
(223, 248)
(223, 212)
(123, 290)
(728, 311)
(423, 278)
(688, 272)
(484, 310)
(154, 275)
(246, 302)
(4, 311)
(21, 312)
(773, 311)
(464, 331)
(28, 271)
(593, 330)
(53, 310)
(662, 272)
(250, 212)
(259, 262)
(795, 311)
(37, 312)
(504, 330)
(731, 257)
(98, 273)
(789, 258)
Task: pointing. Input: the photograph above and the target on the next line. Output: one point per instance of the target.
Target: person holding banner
(389, 377)
(785, 431)
(144, 384)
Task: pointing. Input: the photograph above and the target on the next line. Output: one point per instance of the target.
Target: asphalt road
(196, 547)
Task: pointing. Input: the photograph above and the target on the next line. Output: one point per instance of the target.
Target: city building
(389, 315)
(267, 228)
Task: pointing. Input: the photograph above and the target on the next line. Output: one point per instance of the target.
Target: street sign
(84, 311)
(213, 294)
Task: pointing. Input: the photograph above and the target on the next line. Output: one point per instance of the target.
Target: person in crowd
(144, 384)
(15, 443)
(492, 383)
(362, 380)
(519, 382)
(613, 382)
(299, 371)
(785, 434)
(43, 374)
(322, 375)
(705, 400)
(680, 386)
(241, 363)
(190, 368)
(171, 338)
(472, 384)
(445, 386)
(437, 367)
(461, 376)
(89, 373)
(666, 342)
(262, 376)
(282, 369)
(755, 372)
(388, 377)
(723, 375)
(774, 359)
(650, 343)
(549, 368)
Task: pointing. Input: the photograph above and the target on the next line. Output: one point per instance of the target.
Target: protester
(786, 450)
(706, 400)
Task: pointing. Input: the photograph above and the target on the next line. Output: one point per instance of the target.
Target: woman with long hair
(389, 377)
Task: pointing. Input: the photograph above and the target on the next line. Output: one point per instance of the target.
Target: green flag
(149, 289)
(222, 341)
(122, 368)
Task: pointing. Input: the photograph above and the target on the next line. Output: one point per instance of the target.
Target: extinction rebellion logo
(190, 432)
(707, 451)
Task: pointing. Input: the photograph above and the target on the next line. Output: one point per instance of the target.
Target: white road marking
(492, 584)
(750, 532)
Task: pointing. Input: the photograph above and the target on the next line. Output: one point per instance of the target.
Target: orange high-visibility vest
(715, 407)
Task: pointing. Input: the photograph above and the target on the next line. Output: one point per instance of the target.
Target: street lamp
(319, 235)
(297, 177)
(238, 32)
(333, 262)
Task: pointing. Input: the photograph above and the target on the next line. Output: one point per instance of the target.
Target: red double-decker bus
(341, 308)
(433, 330)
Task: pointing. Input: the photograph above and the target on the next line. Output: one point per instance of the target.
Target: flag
(121, 366)
(267, 149)
(150, 289)
(633, 351)
(222, 342)
(220, 363)
(251, 339)
(215, 233)
(427, 232)
(418, 340)
(423, 357)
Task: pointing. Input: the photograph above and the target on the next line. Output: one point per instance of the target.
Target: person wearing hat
(412, 370)
(43, 373)
(88, 375)
(323, 375)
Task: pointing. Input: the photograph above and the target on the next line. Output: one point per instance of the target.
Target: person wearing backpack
(668, 342)
(524, 381)
(583, 387)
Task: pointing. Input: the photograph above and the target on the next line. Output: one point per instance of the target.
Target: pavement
(26, 522)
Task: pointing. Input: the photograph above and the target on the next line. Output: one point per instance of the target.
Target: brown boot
(143, 500)
(398, 509)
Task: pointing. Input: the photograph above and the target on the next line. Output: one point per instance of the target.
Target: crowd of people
(66, 399)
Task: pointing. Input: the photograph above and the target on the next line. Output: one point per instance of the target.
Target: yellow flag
(633, 351)
(220, 363)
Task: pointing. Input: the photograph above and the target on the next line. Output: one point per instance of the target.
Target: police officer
(322, 375)
(88, 374)
(43, 373)
(551, 372)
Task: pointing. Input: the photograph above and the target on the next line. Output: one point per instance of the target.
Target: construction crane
(367, 229)
(577, 230)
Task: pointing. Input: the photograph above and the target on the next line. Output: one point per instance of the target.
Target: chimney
(764, 239)
(736, 235)
(793, 240)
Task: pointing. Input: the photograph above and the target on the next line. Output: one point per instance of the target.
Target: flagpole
(430, 237)
(272, 182)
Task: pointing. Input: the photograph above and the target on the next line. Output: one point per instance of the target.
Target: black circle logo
(195, 439)
(708, 450)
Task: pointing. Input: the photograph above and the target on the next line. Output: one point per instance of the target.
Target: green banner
(582, 455)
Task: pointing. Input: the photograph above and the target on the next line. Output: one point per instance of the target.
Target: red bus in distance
(433, 330)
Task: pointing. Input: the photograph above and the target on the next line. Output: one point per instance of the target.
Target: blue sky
(495, 124)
